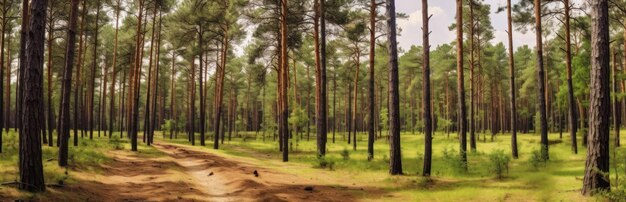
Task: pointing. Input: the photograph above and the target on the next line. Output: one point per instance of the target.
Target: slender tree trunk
(395, 157)
(148, 108)
(114, 71)
(283, 110)
(356, 96)
(134, 103)
(372, 101)
(48, 106)
(219, 85)
(2, 106)
(66, 88)
(173, 95)
(77, 120)
(200, 82)
(616, 108)
(460, 83)
(7, 91)
(156, 85)
(541, 82)
(320, 78)
(426, 99)
(597, 164)
(512, 80)
(92, 84)
(30, 166)
(570, 94)
(472, 46)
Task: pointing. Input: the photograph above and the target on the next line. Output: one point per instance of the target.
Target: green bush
(535, 159)
(499, 163)
(322, 162)
(453, 160)
(345, 153)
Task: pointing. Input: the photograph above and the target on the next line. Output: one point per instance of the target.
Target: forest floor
(105, 169)
(170, 172)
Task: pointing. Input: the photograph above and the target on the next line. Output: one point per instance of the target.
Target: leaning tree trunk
(31, 168)
(66, 88)
(426, 99)
(395, 158)
(597, 164)
(541, 82)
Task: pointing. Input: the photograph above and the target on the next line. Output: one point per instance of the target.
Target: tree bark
(472, 115)
(283, 110)
(114, 77)
(92, 84)
(461, 83)
(371, 134)
(514, 151)
(597, 164)
(64, 111)
(31, 168)
(541, 82)
(320, 79)
(395, 156)
(570, 94)
(426, 97)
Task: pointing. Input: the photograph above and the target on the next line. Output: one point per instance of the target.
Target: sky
(443, 15)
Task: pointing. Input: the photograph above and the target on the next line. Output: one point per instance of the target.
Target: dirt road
(190, 174)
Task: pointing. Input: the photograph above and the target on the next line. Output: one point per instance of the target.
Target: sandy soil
(190, 174)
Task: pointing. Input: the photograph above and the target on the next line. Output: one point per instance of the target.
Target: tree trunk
(570, 94)
(597, 164)
(371, 87)
(153, 123)
(283, 110)
(616, 108)
(514, 151)
(66, 89)
(134, 91)
(77, 120)
(30, 167)
(541, 82)
(426, 99)
(320, 79)
(472, 115)
(148, 108)
(219, 85)
(395, 158)
(460, 83)
(92, 83)
(113, 70)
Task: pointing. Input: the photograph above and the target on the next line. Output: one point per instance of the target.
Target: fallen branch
(10, 183)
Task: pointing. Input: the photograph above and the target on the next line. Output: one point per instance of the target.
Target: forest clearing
(312, 100)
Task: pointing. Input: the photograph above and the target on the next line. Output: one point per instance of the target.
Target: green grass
(559, 179)
(85, 158)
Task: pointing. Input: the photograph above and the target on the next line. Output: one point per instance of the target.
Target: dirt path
(231, 180)
(189, 174)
